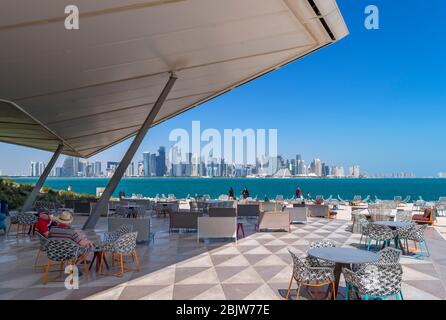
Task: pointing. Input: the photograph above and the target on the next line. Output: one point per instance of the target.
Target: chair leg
(101, 259)
(415, 244)
(9, 228)
(369, 245)
(316, 292)
(37, 260)
(360, 240)
(366, 297)
(18, 231)
(85, 265)
(136, 260)
(401, 295)
(333, 288)
(347, 292)
(70, 264)
(298, 290)
(427, 248)
(47, 269)
(121, 264)
(289, 287)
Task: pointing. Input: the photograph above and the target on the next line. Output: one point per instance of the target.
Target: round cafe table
(343, 258)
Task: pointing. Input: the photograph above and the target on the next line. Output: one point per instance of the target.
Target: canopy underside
(92, 88)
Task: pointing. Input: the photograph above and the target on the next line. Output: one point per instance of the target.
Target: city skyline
(158, 165)
(376, 98)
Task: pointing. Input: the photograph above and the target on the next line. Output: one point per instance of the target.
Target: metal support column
(102, 204)
(33, 195)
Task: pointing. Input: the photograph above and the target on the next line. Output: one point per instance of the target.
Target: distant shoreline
(251, 178)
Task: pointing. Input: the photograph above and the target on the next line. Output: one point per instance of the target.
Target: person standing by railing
(299, 193)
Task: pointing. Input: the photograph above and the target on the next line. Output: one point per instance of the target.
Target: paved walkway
(177, 267)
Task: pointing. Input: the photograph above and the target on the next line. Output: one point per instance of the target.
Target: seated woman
(63, 229)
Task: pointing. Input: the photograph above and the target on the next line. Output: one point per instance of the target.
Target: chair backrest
(43, 241)
(380, 279)
(193, 205)
(123, 229)
(45, 206)
(322, 244)
(26, 218)
(300, 268)
(377, 230)
(417, 232)
(61, 249)
(279, 197)
(126, 243)
(268, 206)
(248, 210)
(222, 212)
(389, 255)
(403, 216)
(122, 211)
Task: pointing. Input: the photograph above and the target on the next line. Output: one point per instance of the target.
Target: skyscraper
(316, 167)
(98, 168)
(152, 165)
(70, 167)
(146, 163)
(161, 162)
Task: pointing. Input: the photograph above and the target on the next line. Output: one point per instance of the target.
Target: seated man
(63, 229)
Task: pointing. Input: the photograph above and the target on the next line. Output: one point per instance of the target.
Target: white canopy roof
(92, 88)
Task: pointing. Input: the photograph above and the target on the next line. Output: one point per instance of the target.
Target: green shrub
(15, 194)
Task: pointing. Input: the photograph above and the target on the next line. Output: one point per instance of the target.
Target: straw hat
(65, 217)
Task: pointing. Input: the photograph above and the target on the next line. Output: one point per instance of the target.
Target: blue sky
(377, 98)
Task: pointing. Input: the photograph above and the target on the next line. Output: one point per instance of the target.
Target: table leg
(337, 274)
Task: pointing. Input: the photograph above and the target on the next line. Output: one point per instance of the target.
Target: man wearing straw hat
(64, 229)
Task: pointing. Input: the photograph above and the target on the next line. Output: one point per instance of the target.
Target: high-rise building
(130, 171)
(301, 167)
(316, 167)
(337, 172)
(97, 168)
(161, 162)
(111, 168)
(37, 168)
(33, 169)
(146, 163)
(273, 165)
(356, 171)
(152, 165)
(326, 170)
(58, 172)
(176, 162)
(140, 169)
(70, 167)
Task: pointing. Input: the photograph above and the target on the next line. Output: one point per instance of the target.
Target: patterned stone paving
(177, 267)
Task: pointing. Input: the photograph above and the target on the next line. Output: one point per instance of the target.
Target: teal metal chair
(416, 233)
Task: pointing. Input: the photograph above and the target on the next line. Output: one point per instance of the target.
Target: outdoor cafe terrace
(174, 265)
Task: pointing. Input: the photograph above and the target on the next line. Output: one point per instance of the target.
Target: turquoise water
(429, 189)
